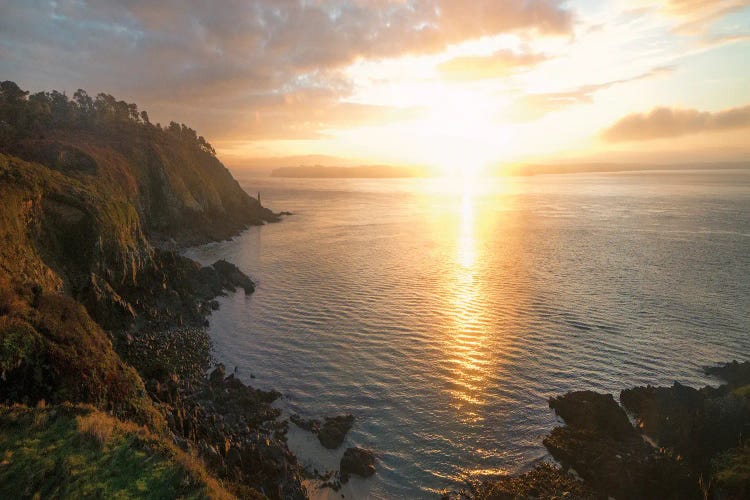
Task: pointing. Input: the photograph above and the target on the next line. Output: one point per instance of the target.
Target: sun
(459, 135)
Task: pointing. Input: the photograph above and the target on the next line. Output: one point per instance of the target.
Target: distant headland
(364, 172)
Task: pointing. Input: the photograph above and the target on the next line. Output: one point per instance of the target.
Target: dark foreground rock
(736, 374)
(334, 430)
(231, 277)
(234, 429)
(357, 461)
(607, 452)
(708, 428)
(311, 425)
(544, 481)
(697, 424)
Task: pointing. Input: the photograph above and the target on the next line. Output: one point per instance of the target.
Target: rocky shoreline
(684, 443)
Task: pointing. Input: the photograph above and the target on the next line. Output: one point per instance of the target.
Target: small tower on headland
(259, 203)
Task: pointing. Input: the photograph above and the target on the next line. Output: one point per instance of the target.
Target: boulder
(334, 430)
(357, 461)
(232, 277)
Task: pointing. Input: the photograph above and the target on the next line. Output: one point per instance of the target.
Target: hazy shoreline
(383, 172)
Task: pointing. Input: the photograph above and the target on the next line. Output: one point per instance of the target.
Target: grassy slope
(78, 452)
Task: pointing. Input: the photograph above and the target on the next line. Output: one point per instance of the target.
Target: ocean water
(444, 313)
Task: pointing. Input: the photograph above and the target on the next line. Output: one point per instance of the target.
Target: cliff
(96, 305)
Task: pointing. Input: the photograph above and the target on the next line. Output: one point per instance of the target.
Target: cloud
(693, 16)
(183, 54)
(666, 122)
(532, 106)
(499, 64)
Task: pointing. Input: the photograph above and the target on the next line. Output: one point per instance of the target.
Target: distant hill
(364, 172)
(579, 168)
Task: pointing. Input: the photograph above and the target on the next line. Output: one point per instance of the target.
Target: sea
(443, 313)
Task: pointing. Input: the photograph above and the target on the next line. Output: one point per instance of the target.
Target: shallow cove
(444, 314)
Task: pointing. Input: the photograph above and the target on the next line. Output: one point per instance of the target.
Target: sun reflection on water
(466, 239)
(468, 360)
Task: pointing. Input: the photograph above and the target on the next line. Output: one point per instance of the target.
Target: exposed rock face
(334, 430)
(230, 277)
(593, 412)
(357, 461)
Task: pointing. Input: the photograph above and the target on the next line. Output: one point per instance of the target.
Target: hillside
(77, 452)
(96, 305)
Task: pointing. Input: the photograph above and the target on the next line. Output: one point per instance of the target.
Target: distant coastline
(363, 172)
(392, 172)
(592, 168)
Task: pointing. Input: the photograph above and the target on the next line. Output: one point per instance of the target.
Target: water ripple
(444, 320)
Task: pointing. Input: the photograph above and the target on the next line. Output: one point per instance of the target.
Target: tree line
(25, 115)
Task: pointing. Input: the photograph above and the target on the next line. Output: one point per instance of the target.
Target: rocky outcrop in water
(333, 431)
(357, 461)
(311, 425)
(543, 481)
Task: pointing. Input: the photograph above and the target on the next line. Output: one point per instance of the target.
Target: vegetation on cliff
(98, 308)
(78, 452)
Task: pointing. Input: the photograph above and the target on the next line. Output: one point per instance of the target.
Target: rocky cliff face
(92, 289)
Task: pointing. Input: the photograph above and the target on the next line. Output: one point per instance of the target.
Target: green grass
(78, 452)
(732, 472)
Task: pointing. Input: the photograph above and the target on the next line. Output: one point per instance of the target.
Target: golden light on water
(468, 214)
(466, 343)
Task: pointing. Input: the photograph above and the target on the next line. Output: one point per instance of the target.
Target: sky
(448, 84)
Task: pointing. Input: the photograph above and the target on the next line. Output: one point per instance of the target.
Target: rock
(607, 452)
(543, 481)
(736, 374)
(696, 424)
(233, 277)
(217, 376)
(334, 430)
(593, 412)
(311, 425)
(357, 461)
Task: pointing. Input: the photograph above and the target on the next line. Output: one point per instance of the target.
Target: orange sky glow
(448, 85)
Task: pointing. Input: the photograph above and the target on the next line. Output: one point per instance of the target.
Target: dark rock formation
(312, 425)
(334, 429)
(695, 423)
(233, 427)
(357, 461)
(543, 481)
(601, 445)
(736, 374)
(230, 277)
